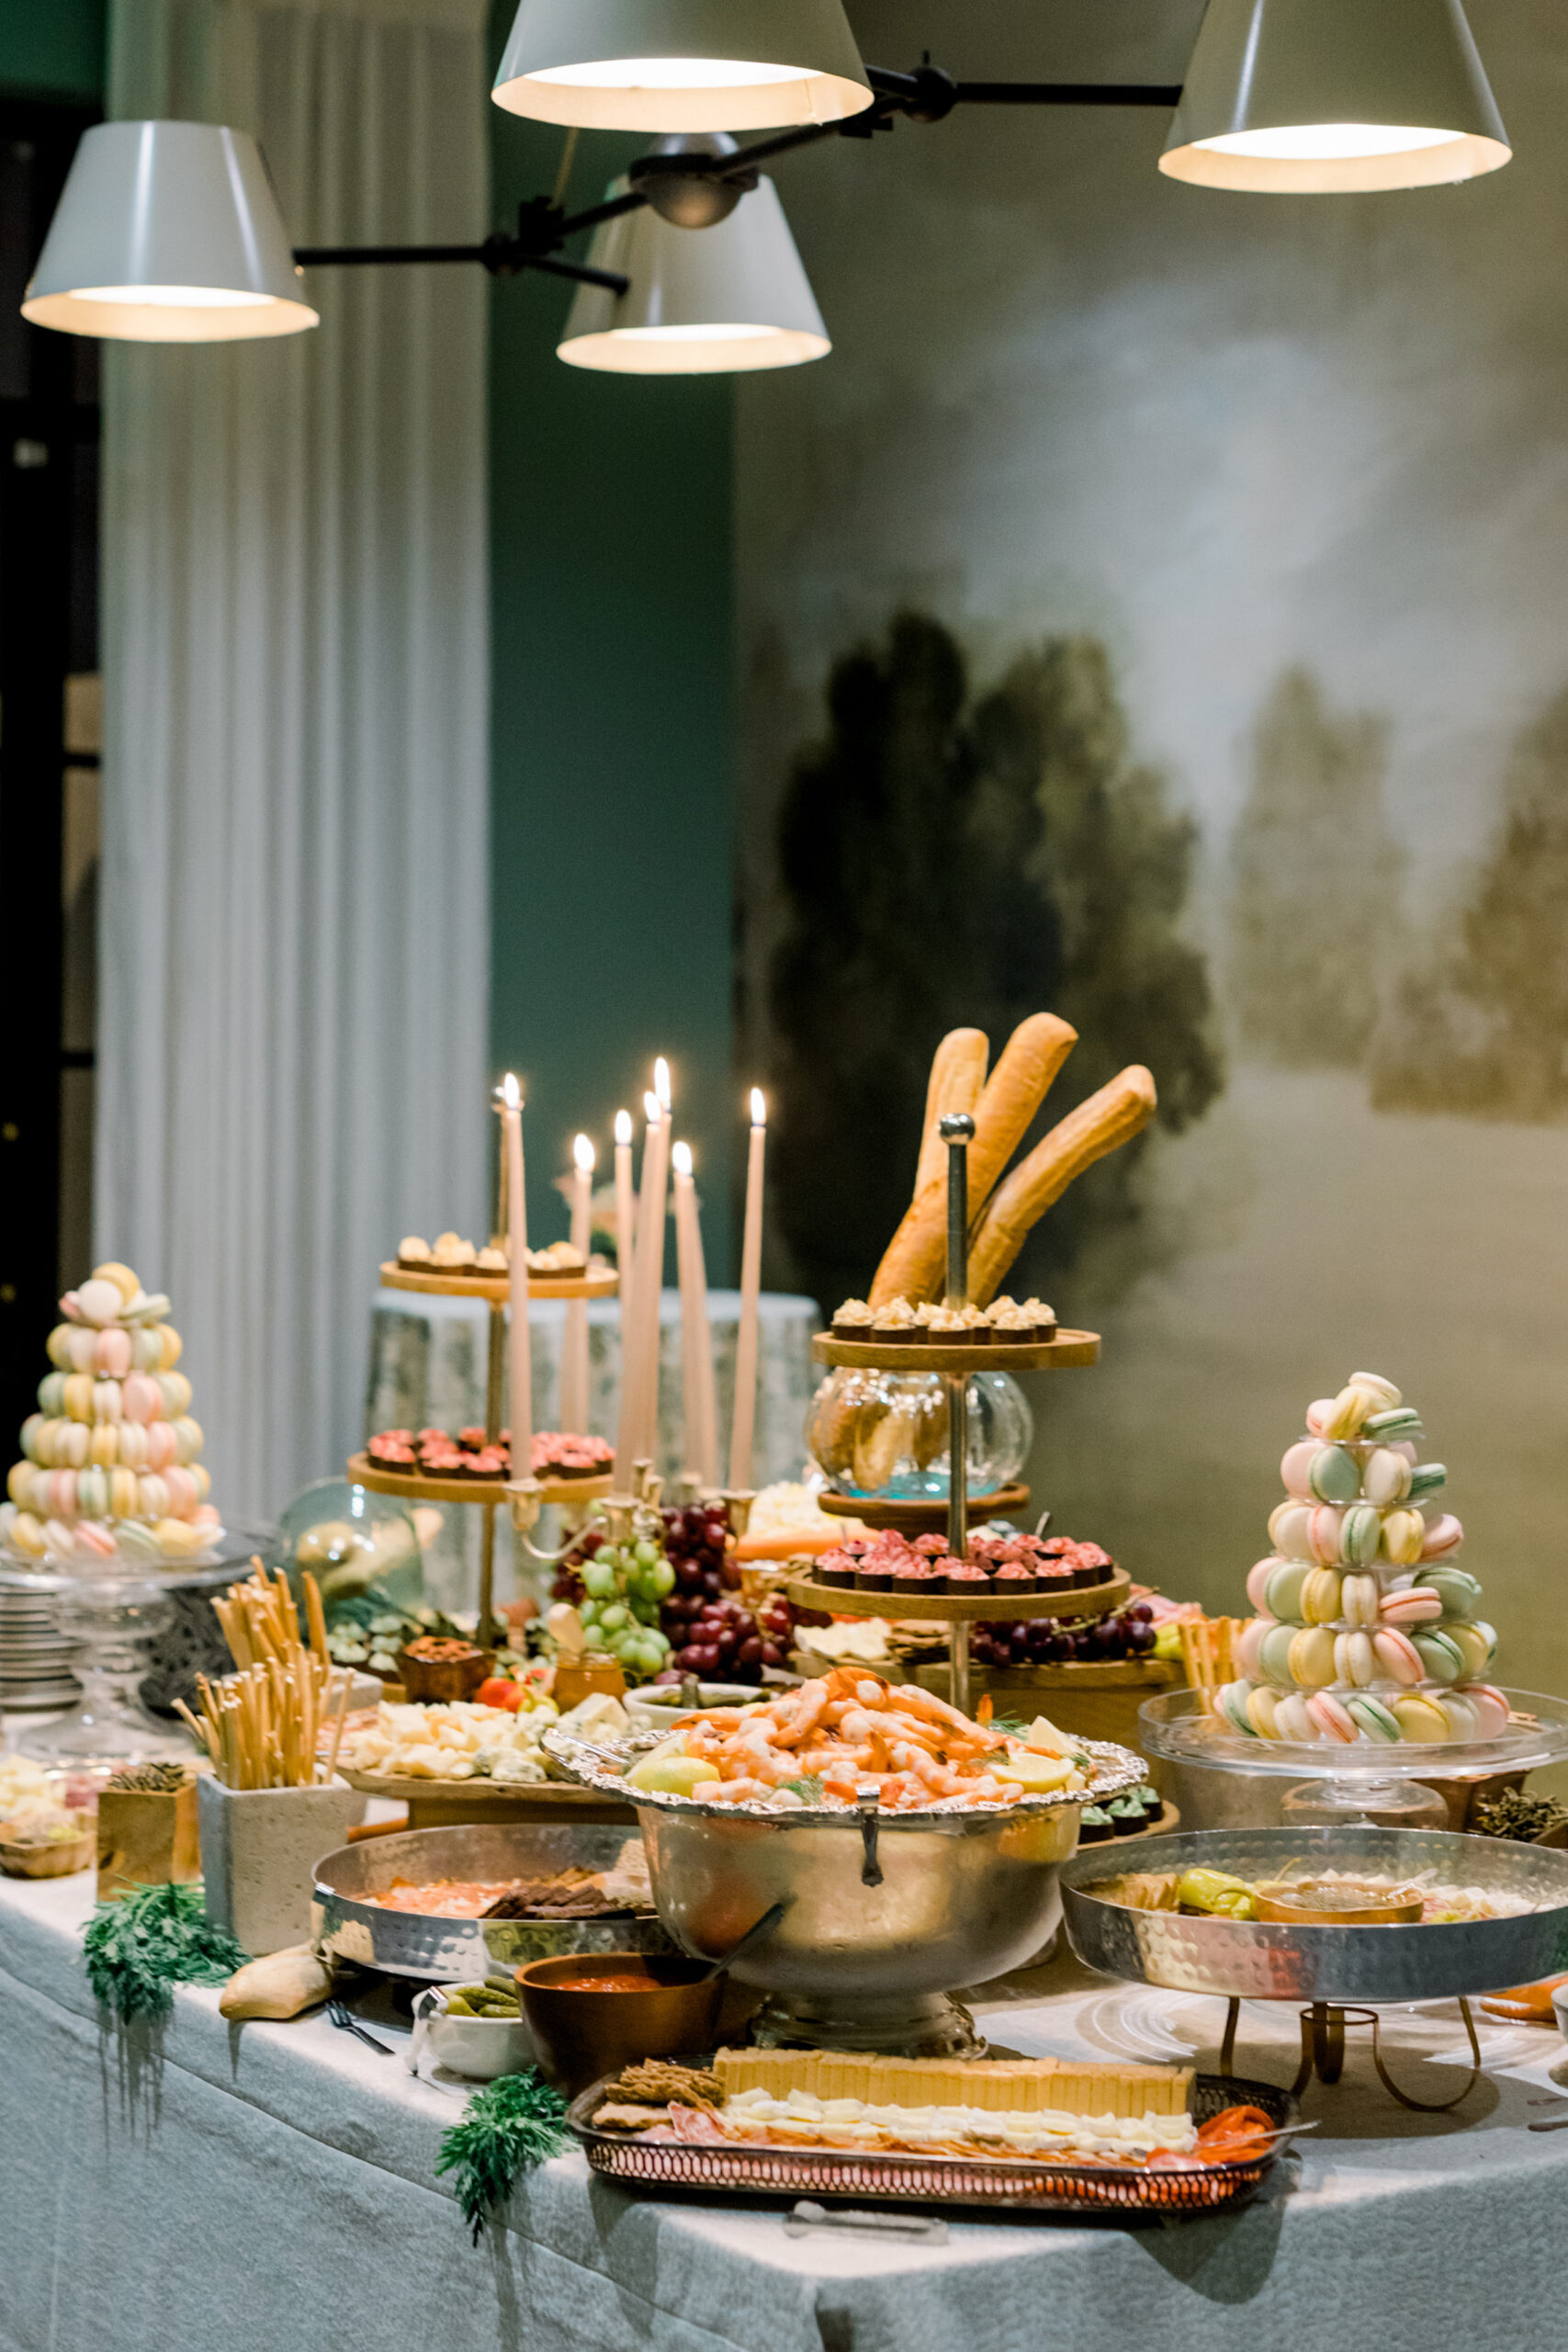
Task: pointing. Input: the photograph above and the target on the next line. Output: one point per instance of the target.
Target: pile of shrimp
(855, 1732)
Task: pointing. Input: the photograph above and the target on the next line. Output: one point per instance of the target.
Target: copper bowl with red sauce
(592, 2013)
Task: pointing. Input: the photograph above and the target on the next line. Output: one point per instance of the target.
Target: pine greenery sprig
(138, 1950)
(507, 2129)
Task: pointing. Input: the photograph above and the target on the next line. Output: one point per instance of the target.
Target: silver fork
(339, 2014)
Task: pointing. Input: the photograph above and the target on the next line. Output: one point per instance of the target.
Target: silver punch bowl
(1270, 1961)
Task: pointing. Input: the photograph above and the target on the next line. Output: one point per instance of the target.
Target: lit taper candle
(519, 1369)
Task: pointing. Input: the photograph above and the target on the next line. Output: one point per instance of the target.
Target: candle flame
(759, 1108)
(681, 1158)
(650, 1110)
(510, 1092)
(661, 1081)
(622, 1126)
(583, 1153)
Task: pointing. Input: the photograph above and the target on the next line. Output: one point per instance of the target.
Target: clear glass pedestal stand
(110, 1619)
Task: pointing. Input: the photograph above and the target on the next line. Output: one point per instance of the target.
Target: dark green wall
(55, 47)
(612, 711)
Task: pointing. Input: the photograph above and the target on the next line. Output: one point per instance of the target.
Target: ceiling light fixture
(167, 232)
(729, 301)
(1317, 96)
(682, 65)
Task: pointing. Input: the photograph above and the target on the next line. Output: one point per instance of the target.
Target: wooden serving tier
(416, 1489)
(916, 1514)
(446, 1805)
(497, 1288)
(1066, 1352)
(952, 1608)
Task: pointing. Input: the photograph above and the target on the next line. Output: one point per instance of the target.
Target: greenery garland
(507, 2129)
(139, 1950)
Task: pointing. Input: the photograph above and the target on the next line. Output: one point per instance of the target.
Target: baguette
(914, 1263)
(1119, 1111)
(958, 1074)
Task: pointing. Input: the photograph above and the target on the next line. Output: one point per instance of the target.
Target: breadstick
(1112, 1118)
(958, 1074)
(913, 1265)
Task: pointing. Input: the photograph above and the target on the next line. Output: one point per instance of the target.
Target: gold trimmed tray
(438, 1804)
(363, 1473)
(919, 1511)
(946, 1607)
(498, 1288)
(1064, 1352)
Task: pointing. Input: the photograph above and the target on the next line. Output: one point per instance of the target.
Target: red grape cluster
(713, 1634)
(1054, 1641)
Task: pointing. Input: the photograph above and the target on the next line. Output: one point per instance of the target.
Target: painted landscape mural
(1157, 609)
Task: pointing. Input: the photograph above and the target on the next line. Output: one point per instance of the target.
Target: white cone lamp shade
(167, 232)
(682, 65)
(1317, 96)
(701, 301)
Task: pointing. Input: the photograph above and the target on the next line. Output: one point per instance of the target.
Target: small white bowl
(481, 2049)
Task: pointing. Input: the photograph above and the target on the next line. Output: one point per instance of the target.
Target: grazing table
(268, 2187)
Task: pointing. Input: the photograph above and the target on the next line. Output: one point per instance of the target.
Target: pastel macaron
(1290, 1525)
(1455, 1588)
(1292, 1719)
(1385, 1476)
(1442, 1537)
(1361, 1530)
(1274, 1655)
(1491, 1709)
(1295, 1468)
(1283, 1593)
(1403, 1534)
(1442, 1656)
(1399, 1422)
(1333, 1720)
(1311, 1657)
(1323, 1533)
(1263, 1708)
(1320, 1595)
(1248, 1644)
(1426, 1479)
(1398, 1657)
(1355, 1660)
(1231, 1699)
(100, 1302)
(1419, 1718)
(1463, 1721)
(1371, 1718)
(1358, 1599)
(111, 1353)
(1333, 1475)
(1417, 1605)
(141, 1399)
(1257, 1577)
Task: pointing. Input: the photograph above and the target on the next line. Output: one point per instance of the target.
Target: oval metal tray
(461, 1951)
(1266, 1960)
(999, 2184)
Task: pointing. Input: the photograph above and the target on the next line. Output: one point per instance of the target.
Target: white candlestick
(624, 1204)
(651, 1282)
(743, 1425)
(574, 1346)
(634, 1366)
(696, 1335)
(519, 1368)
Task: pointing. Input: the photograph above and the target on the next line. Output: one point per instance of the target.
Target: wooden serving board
(445, 1804)
(497, 1288)
(418, 1489)
(916, 1514)
(949, 1608)
(1066, 1352)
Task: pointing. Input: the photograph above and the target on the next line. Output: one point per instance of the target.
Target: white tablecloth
(262, 2188)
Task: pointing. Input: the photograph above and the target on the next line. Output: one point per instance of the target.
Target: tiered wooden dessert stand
(1066, 1351)
(486, 1494)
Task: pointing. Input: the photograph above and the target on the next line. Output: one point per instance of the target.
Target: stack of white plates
(34, 1663)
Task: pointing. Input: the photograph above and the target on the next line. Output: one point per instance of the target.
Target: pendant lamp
(682, 65)
(1314, 97)
(167, 232)
(701, 301)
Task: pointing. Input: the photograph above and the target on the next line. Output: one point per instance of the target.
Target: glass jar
(884, 1433)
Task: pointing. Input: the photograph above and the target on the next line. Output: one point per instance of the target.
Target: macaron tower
(1366, 1629)
(109, 1471)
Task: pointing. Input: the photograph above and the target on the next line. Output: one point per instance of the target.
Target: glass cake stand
(109, 1617)
(1364, 1784)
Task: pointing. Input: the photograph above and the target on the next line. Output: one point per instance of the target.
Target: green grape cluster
(623, 1585)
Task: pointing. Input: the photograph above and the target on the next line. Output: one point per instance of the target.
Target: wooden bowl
(440, 1680)
(582, 2029)
(62, 1860)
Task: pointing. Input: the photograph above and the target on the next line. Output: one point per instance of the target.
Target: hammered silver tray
(1270, 1961)
(1001, 2184)
(461, 1951)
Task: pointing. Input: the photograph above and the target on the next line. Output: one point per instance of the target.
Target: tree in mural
(1484, 1029)
(944, 860)
(1313, 883)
